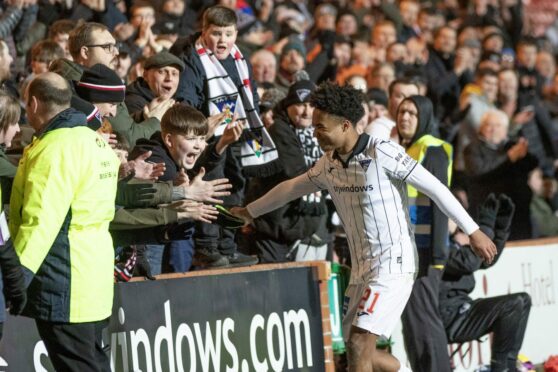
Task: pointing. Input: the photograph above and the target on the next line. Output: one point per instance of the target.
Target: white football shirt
(369, 191)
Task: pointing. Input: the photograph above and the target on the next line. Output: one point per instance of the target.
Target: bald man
(264, 66)
(62, 203)
(497, 164)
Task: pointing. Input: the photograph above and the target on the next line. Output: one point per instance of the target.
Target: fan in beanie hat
(294, 43)
(299, 92)
(100, 84)
(94, 120)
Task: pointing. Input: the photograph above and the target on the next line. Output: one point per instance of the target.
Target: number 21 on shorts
(368, 302)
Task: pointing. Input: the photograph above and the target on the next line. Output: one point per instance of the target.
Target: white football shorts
(376, 306)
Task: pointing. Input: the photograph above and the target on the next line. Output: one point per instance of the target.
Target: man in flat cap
(160, 79)
(292, 60)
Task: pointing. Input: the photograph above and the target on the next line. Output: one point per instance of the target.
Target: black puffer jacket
(491, 170)
(298, 219)
(160, 154)
(192, 87)
(138, 95)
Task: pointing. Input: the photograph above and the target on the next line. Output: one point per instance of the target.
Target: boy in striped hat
(102, 87)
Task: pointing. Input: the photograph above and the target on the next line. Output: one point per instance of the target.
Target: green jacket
(122, 123)
(61, 205)
(125, 125)
(132, 219)
(137, 220)
(7, 174)
(545, 222)
(134, 212)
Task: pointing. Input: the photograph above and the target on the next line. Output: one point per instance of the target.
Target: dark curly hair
(341, 101)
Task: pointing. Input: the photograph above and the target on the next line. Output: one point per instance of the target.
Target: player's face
(407, 120)
(220, 40)
(328, 130)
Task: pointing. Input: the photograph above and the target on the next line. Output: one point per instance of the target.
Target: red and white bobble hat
(100, 84)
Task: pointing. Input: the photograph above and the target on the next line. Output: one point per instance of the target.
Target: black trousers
(211, 235)
(505, 316)
(75, 346)
(424, 334)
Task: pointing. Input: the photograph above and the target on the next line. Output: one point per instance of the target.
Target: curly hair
(341, 101)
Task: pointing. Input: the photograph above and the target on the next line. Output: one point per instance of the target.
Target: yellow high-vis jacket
(61, 205)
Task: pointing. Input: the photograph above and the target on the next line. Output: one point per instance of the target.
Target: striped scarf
(257, 147)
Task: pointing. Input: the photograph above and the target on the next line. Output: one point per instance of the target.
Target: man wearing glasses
(91, 44)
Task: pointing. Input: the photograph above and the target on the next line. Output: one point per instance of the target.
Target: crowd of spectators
(467, 57)
(242, 72)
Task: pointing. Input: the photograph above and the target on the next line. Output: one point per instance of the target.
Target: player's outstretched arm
(429, 185)
(242, 213)
(282, 194)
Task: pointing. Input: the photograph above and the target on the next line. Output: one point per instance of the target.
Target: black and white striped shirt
(369, 191)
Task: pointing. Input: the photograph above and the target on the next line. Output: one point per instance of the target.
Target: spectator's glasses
(109, 47)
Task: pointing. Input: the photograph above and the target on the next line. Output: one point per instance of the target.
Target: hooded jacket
(7, 174)
(491, 170)
(299, 219)
(160, 154)
(61, 205)
(431, 225)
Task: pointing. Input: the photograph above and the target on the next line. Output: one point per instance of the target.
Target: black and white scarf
(257, 147)
(310, 146)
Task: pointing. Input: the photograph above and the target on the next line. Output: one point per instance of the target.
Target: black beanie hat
(294, 43)
(100, 84)
(299, 92)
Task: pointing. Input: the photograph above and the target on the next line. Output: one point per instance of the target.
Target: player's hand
(242, 212)
(482, 246)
